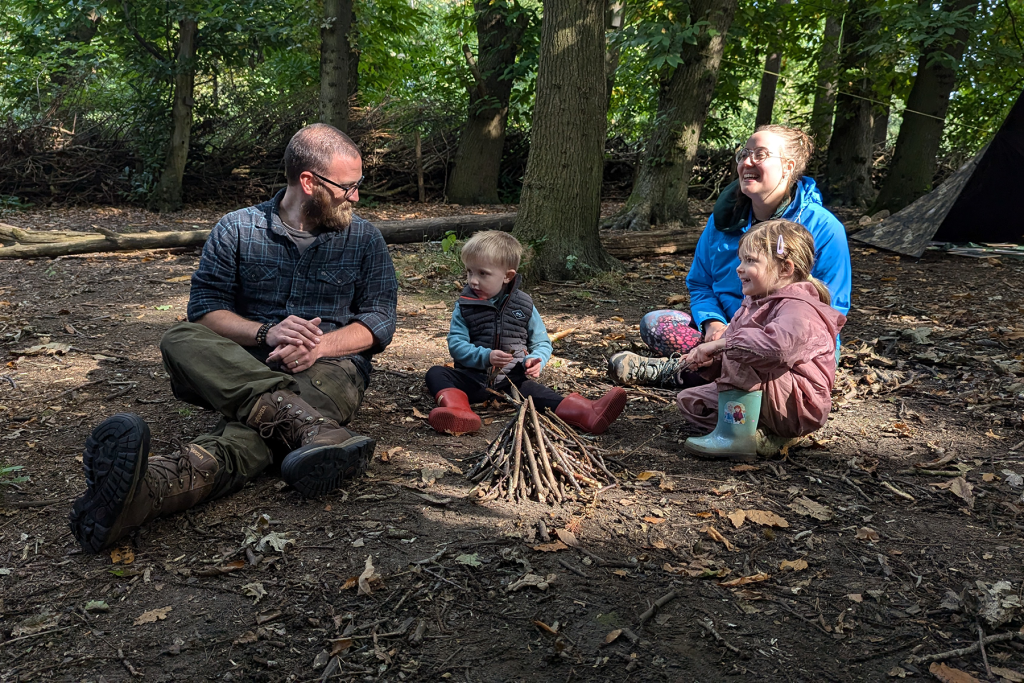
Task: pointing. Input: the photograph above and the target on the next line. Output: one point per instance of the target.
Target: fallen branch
(898, 492)
(708, 626)
(44, 243)
(658, 604)
(1000, 638)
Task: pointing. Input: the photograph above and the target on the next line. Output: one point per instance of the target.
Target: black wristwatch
(261, 334)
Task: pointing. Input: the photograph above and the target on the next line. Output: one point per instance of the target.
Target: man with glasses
(290, 301)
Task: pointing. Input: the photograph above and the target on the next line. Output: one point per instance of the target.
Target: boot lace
(285, 418)
(161, 474)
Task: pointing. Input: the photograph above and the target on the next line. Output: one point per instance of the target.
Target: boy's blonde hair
(779, 240)
(494, 246)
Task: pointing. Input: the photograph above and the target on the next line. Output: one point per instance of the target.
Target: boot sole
(115, 459)
(720, 455)
(443, 420)
(318, 469)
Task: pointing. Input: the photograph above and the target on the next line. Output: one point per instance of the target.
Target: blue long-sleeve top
(715, 289)
(470, 355)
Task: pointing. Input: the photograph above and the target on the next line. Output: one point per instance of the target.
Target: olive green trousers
(213, 372)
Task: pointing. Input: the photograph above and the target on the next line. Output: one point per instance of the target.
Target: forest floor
(870, 562)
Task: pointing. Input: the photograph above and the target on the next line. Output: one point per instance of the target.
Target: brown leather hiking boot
(126, 490)
(323, 453)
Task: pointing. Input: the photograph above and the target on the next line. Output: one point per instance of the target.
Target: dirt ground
(868, 566)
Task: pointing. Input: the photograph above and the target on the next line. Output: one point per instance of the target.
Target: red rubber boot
(453, 414)
(592, 416)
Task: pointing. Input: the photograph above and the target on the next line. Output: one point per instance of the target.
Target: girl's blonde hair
(779, 240)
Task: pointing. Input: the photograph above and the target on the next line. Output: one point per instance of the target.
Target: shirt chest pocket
(259, 281)
(337, 286)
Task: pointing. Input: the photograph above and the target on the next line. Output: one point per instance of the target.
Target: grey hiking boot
(631, 369)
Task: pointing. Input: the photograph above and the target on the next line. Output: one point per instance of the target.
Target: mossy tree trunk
(335, 73)
(167, 195)
(661, 189)
(500, 27)
(770, 77)
(848, 168)
(915, 157)
(561, 201)
(825, 84)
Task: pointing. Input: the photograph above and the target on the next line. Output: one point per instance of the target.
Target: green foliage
(7, 480)
(448, 242)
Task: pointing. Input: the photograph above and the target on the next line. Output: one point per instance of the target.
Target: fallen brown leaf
(867, 534)
(745, 468)
(567, 537)
(655, 520)
(795, 565)
(367, 576)
(744, 580)
(713, 533)
(610, 638)
(737, 517)
(1008, 674)
(551, 547)
(544, 627)
(417, 413)
(340, 645)
(765, 518)
(644, 476)
(122, 555)
(153, 615)
(948, 674)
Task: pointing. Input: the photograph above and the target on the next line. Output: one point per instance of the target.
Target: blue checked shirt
(257, 272)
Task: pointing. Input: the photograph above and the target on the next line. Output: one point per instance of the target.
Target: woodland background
(160, 103)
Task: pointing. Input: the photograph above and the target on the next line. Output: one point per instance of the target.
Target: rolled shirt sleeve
(376, 300)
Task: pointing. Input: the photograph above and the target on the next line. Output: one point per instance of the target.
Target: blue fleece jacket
(715, 290)
(470, 355)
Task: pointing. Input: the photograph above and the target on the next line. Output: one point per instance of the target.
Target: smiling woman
(770, 185)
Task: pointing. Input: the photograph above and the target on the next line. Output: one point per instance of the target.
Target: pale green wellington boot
(735, 437)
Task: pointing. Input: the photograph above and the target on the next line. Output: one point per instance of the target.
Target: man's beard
(320, 216)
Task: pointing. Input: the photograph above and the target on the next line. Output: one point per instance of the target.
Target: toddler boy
(497, 337)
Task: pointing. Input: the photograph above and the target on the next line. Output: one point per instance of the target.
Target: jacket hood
(808, 293)
(732, 208)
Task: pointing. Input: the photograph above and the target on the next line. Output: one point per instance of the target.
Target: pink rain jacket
(783, 344)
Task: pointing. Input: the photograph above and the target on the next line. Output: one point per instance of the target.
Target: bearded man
(290, 301)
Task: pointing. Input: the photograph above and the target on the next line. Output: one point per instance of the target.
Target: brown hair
(313, 148)
(494, 246)
(796, 145)
(781, 240)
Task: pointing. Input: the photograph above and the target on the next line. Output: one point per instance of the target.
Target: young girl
(775, 365)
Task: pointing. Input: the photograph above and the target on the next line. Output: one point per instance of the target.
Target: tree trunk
(353, 56)
(167, 195)
(914, 158)
(770, 78)
(826, 85)
(334, 63)
(661, 190)
(880, 125)
(850, 150)
(561, 202)
(474, 178)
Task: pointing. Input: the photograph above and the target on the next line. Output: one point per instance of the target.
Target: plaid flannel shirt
(249, 266)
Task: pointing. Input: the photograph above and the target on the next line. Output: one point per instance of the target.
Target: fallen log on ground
(46, 243)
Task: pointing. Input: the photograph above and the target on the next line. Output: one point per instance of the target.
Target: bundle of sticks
(538, 456)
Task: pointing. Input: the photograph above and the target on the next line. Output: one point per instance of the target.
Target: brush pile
(538, 457)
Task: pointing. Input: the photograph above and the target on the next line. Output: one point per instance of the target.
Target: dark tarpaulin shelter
(981, 202)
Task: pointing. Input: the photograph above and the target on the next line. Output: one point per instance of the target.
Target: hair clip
(780, 248)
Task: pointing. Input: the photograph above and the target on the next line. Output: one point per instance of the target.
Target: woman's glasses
(757, 155)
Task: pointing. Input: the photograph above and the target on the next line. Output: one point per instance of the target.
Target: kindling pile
(538, 457)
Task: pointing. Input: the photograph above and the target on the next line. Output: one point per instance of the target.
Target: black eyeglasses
(347, 189)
